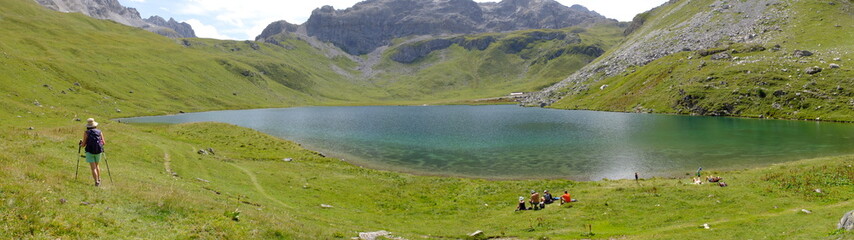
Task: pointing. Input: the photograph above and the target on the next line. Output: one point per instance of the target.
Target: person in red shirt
(565, 198)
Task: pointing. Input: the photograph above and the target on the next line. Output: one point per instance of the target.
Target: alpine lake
(511, 142)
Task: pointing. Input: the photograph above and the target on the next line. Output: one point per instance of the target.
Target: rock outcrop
(721, 21)
(183, 30)
(113, 10)
(372, 24)
(411, 52)
(847, 222)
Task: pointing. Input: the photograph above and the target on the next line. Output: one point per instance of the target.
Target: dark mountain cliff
(374, 23)
(113, 10)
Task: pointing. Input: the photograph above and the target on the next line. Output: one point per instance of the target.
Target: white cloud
(206, 31)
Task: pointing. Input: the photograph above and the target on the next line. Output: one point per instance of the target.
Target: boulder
(252, 45)
(834, 65)
(847, 221)
(722, 56)
(813, 70)
(477, 235)
(802, 53)
(373, 235)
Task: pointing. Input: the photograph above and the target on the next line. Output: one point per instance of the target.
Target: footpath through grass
(164, 189)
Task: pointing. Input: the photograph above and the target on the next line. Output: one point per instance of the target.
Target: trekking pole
(77, 169)
(108, 167)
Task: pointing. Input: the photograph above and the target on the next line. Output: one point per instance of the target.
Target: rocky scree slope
(721, 22)
(766, 59)
(371, 24)
(113, 10)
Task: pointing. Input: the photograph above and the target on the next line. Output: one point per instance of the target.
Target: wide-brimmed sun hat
(91, 123)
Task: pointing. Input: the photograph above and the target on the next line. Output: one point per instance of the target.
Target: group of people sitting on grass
(711, 179)
(538, 201)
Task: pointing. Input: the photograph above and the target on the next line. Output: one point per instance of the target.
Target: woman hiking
(93, 142)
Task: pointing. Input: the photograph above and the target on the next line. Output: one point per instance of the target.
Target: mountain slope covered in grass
(773, 59)
(69, 61)
(489, 65)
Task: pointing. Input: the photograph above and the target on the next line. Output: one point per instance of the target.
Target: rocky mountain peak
(115, 11)
(184, 30)
(374, 23)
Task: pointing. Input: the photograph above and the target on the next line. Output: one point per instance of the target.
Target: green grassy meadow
(164, 189)
(61, 67)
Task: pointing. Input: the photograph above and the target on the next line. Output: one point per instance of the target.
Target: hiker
(566, 198)
(698, 171)
(521, 206)
(547, 197)
(536, 204)
(636, 176)
(93, 142)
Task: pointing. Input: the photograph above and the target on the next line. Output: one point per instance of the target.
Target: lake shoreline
(375, 156)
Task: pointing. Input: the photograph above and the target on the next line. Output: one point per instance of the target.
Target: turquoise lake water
(504, 141)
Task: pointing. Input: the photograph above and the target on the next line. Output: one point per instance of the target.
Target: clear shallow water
(506, 141)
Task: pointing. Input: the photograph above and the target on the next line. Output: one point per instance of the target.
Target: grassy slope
(744, 87)
(281, 200)
(69, 61)
(459, 74)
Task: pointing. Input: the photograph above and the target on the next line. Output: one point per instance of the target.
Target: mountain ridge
(369, 25)
(115, 11)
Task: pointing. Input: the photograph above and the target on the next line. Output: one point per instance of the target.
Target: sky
(245, 19)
